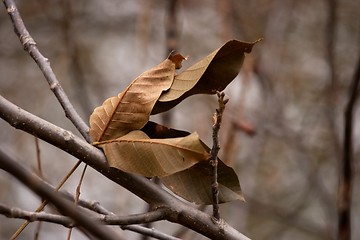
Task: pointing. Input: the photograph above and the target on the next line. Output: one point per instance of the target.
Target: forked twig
(106, 217)
(29, 45)
(145, 189)
(45, 202)
(64, 206)
(214, 153)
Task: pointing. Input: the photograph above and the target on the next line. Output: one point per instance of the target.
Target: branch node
(26, 40)
(68, 136)
(11, 9)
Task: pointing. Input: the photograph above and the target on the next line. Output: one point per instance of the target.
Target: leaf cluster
(121, 126)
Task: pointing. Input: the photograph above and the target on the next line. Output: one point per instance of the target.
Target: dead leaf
(131, 143)
(194, 184)
(212, 73)
(155, 130)
(135, 152)
(130, 110)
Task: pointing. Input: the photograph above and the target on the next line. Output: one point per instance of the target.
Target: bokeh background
(282, 130)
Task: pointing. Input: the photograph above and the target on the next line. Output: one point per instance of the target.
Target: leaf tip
(177, 59)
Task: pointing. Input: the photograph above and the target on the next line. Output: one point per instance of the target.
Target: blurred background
(282, 130)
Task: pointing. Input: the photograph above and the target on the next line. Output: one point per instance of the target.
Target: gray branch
(29, 45)
(64, 206)
(152, 216)
(67, 222)
(179, 212)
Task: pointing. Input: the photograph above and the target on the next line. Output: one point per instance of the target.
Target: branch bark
(29, 45)
(69, 222)
(179, 212)
(32, 181)
(214, 153)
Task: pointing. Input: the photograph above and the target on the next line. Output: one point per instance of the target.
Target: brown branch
(96, 207)
(214, 153)
(29, 45)
(36, 216)
(64, 206)
(181, 212)
(346, 175)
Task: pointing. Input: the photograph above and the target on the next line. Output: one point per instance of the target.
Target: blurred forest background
(282, 130)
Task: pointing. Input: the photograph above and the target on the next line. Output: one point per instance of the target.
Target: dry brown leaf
(155, 130)
(179, 158)
(212, 73)
(130, 110)
(135, 152)
(194, 184)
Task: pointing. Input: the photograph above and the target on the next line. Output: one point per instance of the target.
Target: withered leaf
(135, 152)
(194, 184)
(130, 110)
(131, 143)
(212, 73)
(155, 130)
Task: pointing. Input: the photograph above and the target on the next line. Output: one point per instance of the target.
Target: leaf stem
(214, 153)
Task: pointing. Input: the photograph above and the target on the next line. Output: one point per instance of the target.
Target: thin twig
(181, 212)
(111, 219)
(29, 45)
(346, 175)
(64, 206)
(39, 172)
(96, 207)
(123, 221)
(171, 34)
(151, 232)
(77, 195)
(214, 153)
(45, 202)
(38, 158)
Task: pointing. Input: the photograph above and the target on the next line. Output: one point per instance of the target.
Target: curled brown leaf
(209, 75)
(130, 110)
(135, 152)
